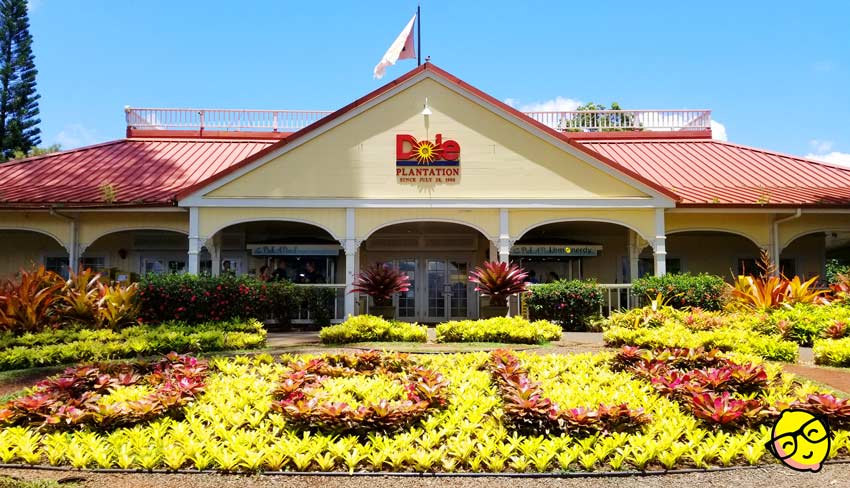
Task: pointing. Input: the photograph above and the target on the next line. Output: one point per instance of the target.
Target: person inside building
(264, 274)
(532, 277)
(553, 276)
(310, 274)
(281, 273)
(227, 269)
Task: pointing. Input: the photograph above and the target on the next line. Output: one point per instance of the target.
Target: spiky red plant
(381, 282)
(499, 281)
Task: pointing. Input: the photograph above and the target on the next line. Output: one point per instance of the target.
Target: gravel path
(773, 476)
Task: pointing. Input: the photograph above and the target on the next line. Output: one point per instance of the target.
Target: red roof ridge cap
(196, 140)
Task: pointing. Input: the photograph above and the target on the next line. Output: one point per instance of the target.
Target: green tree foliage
(36, 151)
(18, 100)
(603, 122)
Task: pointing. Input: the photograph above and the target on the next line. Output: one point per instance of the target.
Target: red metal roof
(716, 173)
(142, 172)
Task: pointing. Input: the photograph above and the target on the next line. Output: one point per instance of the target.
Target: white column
(350, 246)
(213, 245)
(195, 241)
(504, 236)
(74, 252)
(635, 246)
(660, 245)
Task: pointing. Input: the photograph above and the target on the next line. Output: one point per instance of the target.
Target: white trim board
(425, 203)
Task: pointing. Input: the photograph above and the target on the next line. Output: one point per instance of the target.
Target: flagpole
(418, 36)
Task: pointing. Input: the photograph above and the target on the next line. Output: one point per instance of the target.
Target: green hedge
(194, 299)
(74, 345)
(368, 328)
(570, 303)
(683, 290)
(516, 330)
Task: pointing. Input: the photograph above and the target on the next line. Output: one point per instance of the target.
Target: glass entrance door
(447, 289)
(439, 289)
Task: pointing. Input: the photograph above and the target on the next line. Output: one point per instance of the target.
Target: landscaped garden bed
(509, 330)
(478, 412)
(369, 328)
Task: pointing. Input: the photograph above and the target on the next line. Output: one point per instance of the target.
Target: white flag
(401, 48)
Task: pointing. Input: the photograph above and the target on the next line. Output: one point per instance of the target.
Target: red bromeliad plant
(80, 395)
(298, 393)
(704, 382)
(499, 281)
(528, 410)
(827, 406)
(381, 282)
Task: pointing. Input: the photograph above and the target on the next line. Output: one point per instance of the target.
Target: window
(96, 264)
(163, 266)
(58, 265)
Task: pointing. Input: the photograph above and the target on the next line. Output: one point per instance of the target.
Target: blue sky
(776, 74)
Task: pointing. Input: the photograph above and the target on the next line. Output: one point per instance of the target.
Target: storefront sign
(426, 162)
(294, 249)
(545, 250)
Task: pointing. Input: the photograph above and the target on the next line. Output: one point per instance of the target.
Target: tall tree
(18, 100)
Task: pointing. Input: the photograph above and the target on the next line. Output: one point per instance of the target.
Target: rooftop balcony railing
(164, 119)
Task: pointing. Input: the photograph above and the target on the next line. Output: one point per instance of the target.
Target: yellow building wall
(754, 226)
(94, 225)
(368, 220)
(357, 158)
(808, 223)
(52, 225)
(214, 219)
(640, 220)
(716, 254)
(23, 249)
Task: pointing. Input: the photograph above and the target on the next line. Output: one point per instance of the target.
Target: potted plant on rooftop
(498, 281)
(381, 281)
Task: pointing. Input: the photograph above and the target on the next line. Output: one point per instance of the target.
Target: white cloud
(557, 104)
(718, 131)
(76, 135)
(821, 147)
(833, 157)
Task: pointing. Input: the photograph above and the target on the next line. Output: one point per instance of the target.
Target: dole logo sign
(426, 162)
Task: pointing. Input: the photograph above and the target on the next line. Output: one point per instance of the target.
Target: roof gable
(570, 150)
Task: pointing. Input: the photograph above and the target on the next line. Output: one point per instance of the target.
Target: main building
(432, 175)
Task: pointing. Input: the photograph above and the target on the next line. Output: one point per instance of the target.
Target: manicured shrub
(369, 328)
(683, 290)
(509, 330)
(194, 299)
(724, 338)
(832, 352)
(570, 303)
(803, 323)
(72, 345)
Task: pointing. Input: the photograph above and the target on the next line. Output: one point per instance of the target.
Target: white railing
(305, 317)
(617, 297)
(293, 120)
(624, 120)
(220, 119)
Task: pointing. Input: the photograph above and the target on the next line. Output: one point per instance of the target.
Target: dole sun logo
(410, 152)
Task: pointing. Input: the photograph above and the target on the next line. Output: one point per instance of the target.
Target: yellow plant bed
(232, 427)
(515, 330)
